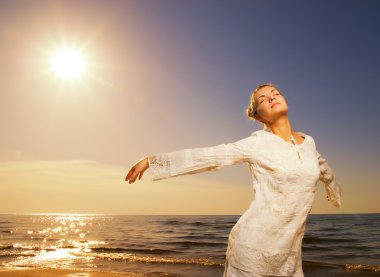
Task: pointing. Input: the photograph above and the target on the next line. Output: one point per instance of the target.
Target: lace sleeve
(197, 160)
(332, 186)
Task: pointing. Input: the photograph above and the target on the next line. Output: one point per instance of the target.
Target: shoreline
(309, 269)
(50, 272)
(312, 269)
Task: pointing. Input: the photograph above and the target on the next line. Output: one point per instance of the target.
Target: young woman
(285, 167)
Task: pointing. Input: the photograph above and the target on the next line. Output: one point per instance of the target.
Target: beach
(309, 271)
(60, 273)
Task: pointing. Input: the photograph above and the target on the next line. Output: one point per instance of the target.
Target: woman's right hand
(137, 170)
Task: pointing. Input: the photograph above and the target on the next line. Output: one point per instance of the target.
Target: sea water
(173, 245)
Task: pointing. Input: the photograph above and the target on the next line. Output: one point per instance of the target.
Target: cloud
(85, 186)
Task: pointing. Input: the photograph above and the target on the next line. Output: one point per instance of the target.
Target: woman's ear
(258, 118)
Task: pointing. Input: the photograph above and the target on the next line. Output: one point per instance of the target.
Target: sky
(168, 75)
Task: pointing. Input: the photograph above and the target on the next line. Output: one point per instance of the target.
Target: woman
(285, 168)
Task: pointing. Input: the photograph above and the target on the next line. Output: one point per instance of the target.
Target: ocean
(176, 245)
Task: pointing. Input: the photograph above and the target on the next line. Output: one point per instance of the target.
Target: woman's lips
(274, 104)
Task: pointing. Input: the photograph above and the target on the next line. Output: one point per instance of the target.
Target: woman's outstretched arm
(332, 186)
(197, 160)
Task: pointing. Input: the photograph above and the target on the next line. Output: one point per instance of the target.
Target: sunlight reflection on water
(60, 243)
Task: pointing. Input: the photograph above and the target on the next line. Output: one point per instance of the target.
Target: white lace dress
(267, 238)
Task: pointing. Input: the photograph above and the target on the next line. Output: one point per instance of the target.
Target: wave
(149, 259)
(361, 267)
(319, 248)
(327, 229)
(36, 248)
(126, 250)
(189, 243)
(199, 223)
(195, 223)
(11, 255)
(347, 266)
(325, 240)
(191, 237)
(171, 222)
(94, 249)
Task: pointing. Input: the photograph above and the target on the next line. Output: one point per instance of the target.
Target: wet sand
(310, 270)
(61, 273)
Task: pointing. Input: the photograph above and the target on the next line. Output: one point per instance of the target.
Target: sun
(68, 63)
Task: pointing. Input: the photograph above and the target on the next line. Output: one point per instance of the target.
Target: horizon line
(111, 214)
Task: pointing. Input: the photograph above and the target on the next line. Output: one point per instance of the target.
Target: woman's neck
(282, 127)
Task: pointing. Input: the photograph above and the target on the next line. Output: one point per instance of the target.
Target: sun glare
(68, 63)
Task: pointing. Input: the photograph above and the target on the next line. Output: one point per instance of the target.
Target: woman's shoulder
(258, 133)
(308, 137)
(259, 137)
(305, 134)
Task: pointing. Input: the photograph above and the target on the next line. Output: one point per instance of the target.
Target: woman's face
(270, 104)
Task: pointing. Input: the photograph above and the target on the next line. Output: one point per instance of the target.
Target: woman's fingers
(132, 175)
(136, 171)
(141, 174)
(128, 177)
(131, 178)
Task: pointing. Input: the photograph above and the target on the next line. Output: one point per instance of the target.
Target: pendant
(299, 156)
(295, 145)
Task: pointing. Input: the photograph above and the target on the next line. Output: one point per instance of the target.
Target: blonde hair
(251, 111)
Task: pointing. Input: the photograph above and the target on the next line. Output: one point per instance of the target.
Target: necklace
(294, 142)
(293, 139)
